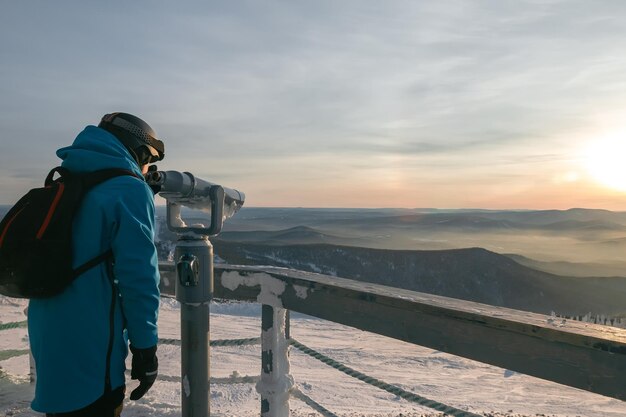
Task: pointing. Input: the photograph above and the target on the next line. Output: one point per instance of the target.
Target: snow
(271, 290)
(449, 379)
(301, 292)
(186, 387)
(276, 385)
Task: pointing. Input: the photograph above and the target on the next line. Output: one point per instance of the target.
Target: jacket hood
(95, 149)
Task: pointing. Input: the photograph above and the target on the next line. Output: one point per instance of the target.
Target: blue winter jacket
(77, 335)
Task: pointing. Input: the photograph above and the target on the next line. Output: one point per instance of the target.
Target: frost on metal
(276, 382)
(301, 292)
(203, 204)
(271, 288)
(174, 217)
(186, 386)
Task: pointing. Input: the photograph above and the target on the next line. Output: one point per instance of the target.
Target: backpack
(36, 235)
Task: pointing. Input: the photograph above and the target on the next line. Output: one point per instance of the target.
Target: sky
(509, 104)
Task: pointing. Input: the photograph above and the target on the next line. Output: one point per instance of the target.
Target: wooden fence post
(276, 382)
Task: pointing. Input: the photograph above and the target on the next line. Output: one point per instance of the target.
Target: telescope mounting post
(194, 272)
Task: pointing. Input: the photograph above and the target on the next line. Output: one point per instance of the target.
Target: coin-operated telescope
(184, 189)
(194, 268)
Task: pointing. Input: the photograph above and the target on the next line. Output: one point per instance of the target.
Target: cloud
(346, 84)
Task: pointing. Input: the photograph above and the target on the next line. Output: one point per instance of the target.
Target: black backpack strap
(93, 262)
(90, 179)
(63, 172)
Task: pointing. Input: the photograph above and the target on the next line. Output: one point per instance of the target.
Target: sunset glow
(498, 105)
(606, 161)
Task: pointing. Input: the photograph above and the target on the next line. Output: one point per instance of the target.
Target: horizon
(501, 106)
(425, 209)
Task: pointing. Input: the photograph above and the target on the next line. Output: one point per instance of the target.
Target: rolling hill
(472, 274)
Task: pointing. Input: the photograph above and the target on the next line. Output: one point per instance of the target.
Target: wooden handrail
(581, 355)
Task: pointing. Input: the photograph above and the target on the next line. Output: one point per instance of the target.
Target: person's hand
(145, 368)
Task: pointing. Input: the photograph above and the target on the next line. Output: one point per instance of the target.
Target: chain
(7, 354)
(13, 325)
(296, 393)
(224, 342)
(381, 384)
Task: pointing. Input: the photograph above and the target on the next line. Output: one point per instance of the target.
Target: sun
(606, 161)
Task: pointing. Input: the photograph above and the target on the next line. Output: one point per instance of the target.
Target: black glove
(144, 368)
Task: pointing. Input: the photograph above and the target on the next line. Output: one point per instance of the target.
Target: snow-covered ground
(451, 380)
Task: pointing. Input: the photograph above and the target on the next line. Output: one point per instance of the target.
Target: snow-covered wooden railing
(581, 355)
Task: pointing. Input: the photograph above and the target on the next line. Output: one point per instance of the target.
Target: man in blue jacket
(79, 338)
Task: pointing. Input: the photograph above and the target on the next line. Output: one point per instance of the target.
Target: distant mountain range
(459, 222)
(555, 258)
(259, 218)
(293, 235)
(472, 274)
(507, 219)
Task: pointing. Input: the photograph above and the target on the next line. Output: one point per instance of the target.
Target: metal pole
(275, 383)
(194, 331)
(194, 290)
(194, 267)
